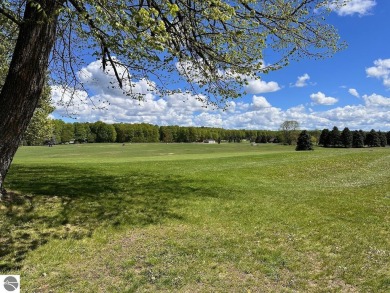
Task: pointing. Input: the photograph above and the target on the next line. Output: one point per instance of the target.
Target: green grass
(198, 218)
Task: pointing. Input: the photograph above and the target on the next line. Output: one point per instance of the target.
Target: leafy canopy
(215, 45)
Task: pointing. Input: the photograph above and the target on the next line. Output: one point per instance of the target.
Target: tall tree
(8, 32)
(58, 125)
(324, 138)
(357, 139)
(67, 133)
(81, 132)
(40, 126)
(372, 139)
(104, 132)
(346, 137)
(382, 138)
(289, 131)
(218, 44)
(335, 137)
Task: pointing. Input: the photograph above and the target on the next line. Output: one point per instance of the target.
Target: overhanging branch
(8, 14)
(100, 35)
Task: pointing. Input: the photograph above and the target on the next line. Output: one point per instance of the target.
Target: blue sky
(351, 89)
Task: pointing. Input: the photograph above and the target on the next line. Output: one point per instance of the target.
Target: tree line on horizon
(355, 139)
(101, 132)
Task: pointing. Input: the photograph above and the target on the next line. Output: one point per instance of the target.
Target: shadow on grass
(72, 203)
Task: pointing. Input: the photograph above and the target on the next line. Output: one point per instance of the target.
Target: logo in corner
(10, 284)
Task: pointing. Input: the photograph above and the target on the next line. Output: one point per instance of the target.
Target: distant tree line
(143, 132)
(101, 132)
(355, 139)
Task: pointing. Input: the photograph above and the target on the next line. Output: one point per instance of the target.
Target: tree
(357, 139)
(372, 139)
(193, 134)
(363, 135)
(304, 142)
(166, 134)
(288, 128)
(8, 30)
(346, 138)
(382, 138)
(335, 137)
(104, 132)
(216, 44)
(324, 137)
(40, 127)
(67, 133)
(315, 136)
(58, 125)
(80, 132)
(388, 137)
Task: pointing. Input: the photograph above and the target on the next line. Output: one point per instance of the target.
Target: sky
(350, 89)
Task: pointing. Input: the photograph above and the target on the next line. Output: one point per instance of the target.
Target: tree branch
(8, 14)
(100, 35)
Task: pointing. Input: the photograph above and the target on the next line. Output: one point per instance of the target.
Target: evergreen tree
(357, 139)
(324, 138)
(372, 139)
(346, 137)
(382, 138)
(388, 137)
(304, 142)
(335, 137)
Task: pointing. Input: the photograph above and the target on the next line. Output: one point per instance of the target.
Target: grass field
(198, 218)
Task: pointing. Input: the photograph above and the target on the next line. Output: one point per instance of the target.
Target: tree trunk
(26, 78)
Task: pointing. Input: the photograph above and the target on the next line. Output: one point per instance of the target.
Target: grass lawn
(198, 218)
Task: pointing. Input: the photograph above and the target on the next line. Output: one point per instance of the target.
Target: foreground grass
(203, 218)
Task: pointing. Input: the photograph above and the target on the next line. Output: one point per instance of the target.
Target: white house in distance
(209, 141)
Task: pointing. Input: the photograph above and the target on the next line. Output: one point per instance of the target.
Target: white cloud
(320, 99)
(375, 100)
(351, 7)
(99, 81)
(354, 93)
(209, 119)
(381, 70)
(260, 102)
(68, 102)
(257, 86)
(302, 80)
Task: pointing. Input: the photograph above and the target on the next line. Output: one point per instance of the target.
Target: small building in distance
(209, 141)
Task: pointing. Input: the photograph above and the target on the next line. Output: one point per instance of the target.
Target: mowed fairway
(198, 218)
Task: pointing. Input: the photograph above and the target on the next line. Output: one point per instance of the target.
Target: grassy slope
(188, 217)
